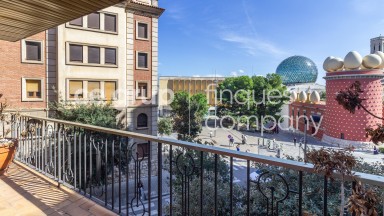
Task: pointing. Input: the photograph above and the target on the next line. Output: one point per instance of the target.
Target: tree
(251, 96)
(93, 113)
(164, 126)
(188, 113)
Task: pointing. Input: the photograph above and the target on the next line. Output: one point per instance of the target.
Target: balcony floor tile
(22, 192)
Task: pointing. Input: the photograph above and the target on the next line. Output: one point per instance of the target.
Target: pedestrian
(294, 141)
(210, 134)
(238, 147)
(375, 150)
(245, 139)
(140, 187)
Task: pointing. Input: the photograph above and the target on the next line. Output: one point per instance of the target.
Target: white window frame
(137, 60)
(24, 51)
(137, 32)
(24, 97)
(148, 89)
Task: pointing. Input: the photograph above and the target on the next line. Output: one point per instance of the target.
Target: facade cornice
(354, 76)
(143, 9)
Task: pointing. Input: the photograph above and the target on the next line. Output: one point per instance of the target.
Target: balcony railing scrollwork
(136, 174)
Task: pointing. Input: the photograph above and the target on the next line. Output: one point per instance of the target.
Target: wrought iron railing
(136, 174)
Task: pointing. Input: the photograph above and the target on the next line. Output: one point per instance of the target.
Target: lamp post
(305, 140)
(215, 98)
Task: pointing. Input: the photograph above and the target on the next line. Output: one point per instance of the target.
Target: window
(142, 90)
(109, 90)
(142, 150)
(110, 56)
(77, 22)
(142, 60)
(142, 121)
(32, 89)
(93, 90)
(76, 89)
(33, 51)
(93, 55)
(110, 22)
(342, 136)
(94, 21)
(75, 53)
(142, 30)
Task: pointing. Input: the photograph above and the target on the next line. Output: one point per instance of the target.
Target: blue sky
(246, 37)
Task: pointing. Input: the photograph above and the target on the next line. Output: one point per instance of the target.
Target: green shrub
(381, 149)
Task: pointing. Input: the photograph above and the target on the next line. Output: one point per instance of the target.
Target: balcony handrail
(290, 164)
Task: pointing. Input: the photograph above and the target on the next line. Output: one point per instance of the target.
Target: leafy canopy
(188, 113)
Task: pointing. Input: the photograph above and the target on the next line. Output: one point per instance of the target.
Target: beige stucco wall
(66, 71)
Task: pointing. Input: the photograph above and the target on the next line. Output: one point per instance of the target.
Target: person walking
(245, 139)
(210, 134)
(294, 141)
(238, 147)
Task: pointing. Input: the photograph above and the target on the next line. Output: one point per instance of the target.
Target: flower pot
(7, 152)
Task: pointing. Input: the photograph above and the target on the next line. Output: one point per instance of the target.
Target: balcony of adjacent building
(67, 168)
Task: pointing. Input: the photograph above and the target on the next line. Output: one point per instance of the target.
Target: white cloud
(252, 45)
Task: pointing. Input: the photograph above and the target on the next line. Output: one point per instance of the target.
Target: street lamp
(305, 139)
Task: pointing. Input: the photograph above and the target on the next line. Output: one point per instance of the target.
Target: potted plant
(7, 146)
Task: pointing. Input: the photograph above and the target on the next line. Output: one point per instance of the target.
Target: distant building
(377, 44)
(297, 70)
(192, 85)
(337, 125)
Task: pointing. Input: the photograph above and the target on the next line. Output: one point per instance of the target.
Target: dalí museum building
(328, 120)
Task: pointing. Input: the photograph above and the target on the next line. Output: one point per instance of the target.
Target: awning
(22, 18)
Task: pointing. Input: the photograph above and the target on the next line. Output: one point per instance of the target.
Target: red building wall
(337, 120)
(12, 70)
(298, 110)
(143, 46)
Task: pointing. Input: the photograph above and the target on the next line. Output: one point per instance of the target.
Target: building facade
(193, 85)
(23, 74)
(337, 125)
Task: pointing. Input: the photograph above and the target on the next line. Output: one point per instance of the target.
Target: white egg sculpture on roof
(293, 96)
(302, 96)
(372, 61)
(353, 60)
(325, 64)
(315, 97)
(335, 64)
(381, 54)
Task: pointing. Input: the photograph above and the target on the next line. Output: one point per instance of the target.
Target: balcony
(59, 164)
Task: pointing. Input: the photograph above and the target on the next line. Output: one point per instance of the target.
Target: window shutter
(75, 87)
(109, 90)
(33, 85)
